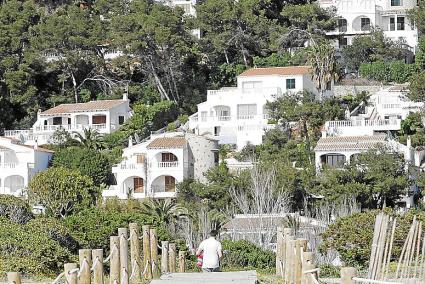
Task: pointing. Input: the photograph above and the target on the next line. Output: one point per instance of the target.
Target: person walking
(210, 249)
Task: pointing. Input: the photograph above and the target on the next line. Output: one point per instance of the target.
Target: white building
(238, 115)
(384, 112)
(154, 167)
(358, 17)
(104, 116)
(19, 163)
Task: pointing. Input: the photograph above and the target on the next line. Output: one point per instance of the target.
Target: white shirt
(211, 249)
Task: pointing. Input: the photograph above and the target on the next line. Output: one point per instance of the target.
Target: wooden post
(114, 272)
(147, 252)
(347, 274)
(289, 261)
(13, 278)
(97, 257)
(300, 247)
(279, 251)
(164, 257)
(84, 256)
(122, 234)
(308, 264)
(172, 257)
(71, 278)
(135, 253)
(182, 261)
(154, 253)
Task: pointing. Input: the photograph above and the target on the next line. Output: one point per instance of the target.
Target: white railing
(131, 166)
(366, 123)
(387, 106)
(223, 118)
(168, 164)
(162, 188)
(267, 91)
(247, 116)
(69, 127)
(15, 133)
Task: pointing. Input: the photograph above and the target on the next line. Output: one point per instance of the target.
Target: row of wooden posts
(125, 268)
(295, 264)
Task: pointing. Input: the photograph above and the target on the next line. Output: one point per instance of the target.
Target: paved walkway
(240, 277)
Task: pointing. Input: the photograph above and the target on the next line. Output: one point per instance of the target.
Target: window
(392, 24)
(343, 42)
(99, 119)
(170, 184)
(247, 111)
(217, 130)
(333, 160)
(365, 24)
(57, 120)
(140, 158)
(216, 157)
(251, 85)
(121, 119)
(290, 84)
(204, 116)
(69, 120)
(342, 25)
(400, 23)
(138, 185)
(168, 157)
(395, 2)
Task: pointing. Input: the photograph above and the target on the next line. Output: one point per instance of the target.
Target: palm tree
(90, 139)
(165, 211)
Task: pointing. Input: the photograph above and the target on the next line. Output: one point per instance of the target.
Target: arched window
(365, 24)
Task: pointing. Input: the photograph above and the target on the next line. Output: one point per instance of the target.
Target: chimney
(125, 96)
(324, 134)
(38, 113)
(130, 141)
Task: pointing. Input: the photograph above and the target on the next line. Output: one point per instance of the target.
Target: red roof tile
(81, 107)
(167, 142)
(284, 71)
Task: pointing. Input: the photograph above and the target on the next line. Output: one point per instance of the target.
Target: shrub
(245, 254)
(88, 162)
(93, 227)
(28, 249)
(62, 191)
(394, 71)
(352, 236)
(15, 209)
(183, 118)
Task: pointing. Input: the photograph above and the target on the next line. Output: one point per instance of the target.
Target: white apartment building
(18, 164)
(238, 115)
(104, 116)
(384, 112)
(358, 17)
(154, 167)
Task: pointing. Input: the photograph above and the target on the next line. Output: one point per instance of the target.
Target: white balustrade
(131, 166)
(168, 164)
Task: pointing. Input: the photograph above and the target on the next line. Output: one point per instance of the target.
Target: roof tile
(285, 71)
(345, 143)
(80, 107)
(167, 142)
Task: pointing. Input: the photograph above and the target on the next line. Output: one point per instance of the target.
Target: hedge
(394, 71)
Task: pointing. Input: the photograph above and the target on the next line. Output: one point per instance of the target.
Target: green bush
(394, 71)
(93, 227)
(352, 236)
(30, 249)
(15, 209)
(245, 254)
(87, 161)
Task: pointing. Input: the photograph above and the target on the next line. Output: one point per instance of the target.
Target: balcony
(69, 127)
(168, 164)
(361, 127)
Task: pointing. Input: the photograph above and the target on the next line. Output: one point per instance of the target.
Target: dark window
(168, 157)
(395, 2)
(392, 24)
(333, 160)
(141, 158)
(216, 157)
(400, 24)
(343, 42)
(99, 119)
(57, 120)
(217, 130)
(342, 25)
(69, 120)
(365, 24)
(170, 184)
(45, 122)
(290, 84)
(138, 185)
(120, 119)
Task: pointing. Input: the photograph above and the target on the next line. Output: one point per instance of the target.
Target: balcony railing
(366, 123)
(163, 188)
(224, 118)
(69, 127)
(131, 166)
(168, 164)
